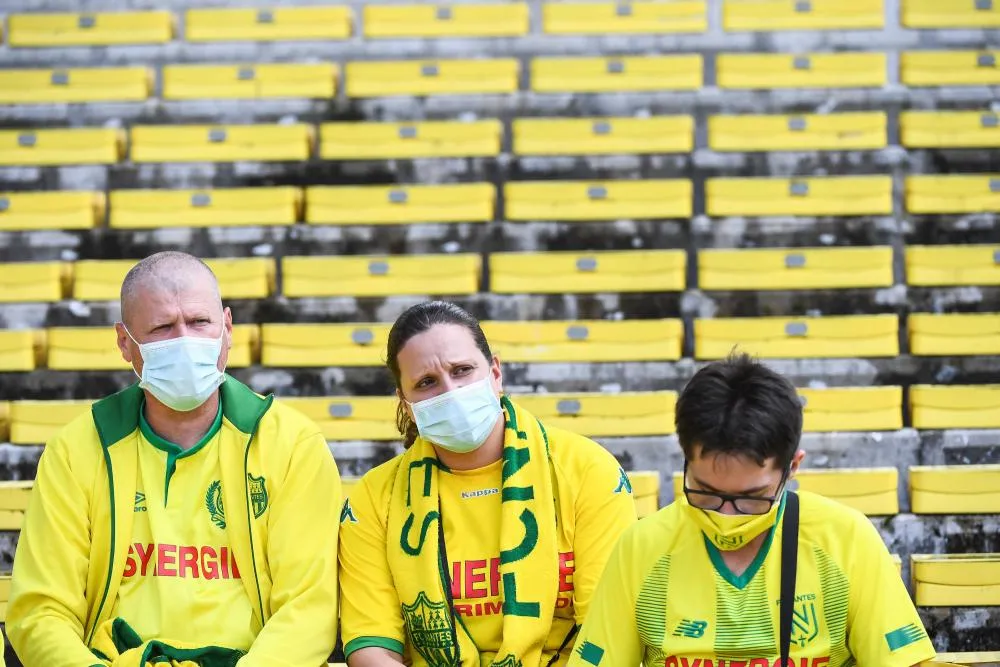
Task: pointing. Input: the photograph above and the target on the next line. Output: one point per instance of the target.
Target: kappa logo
(140, 502)
(691, 629)
(258, 495)
(429, 626)
(590, 653)
(213, 501)
(624, 483)
(347, 513)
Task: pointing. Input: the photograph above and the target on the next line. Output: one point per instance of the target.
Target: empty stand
(223, 207)
(265, 25)
(31, 282)
(432, 77)
(90, 29)
(818, 196)
(795, 268)
(603, 136)
(395, 205)
(949, 68)
(616, 74)
(959, 334)
(771, 15)
(852, 409)
(950, 129)
(312, 345)
(814, 70)
(20, 349)
(402, 141)
(351, 417)
(226, 143)
(586, 340)
(249, 81)
(29, 211)
(35, 422)
(873, 491)
(955, 406)
(244, 278)
(957, 580)
(627, 414)
(645, 491)
(14, 497)
(953, 265)
(953, 194)
(957, 14)
(598, 200)
(962, 489)
(509, 19)
(805, 132)
(570, 272)
(69, 86)
(365, 276)
(619, 18)
(795, 338)
(61, 146)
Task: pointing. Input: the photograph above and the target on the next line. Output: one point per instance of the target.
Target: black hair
(739, 407)
(416, 320)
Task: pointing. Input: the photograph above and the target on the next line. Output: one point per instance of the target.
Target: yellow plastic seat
(820, 196)
(953, 14)
(25, 282)
(962, 489)
(952, 265)
(968, 658)
(4, 421)
(950, 129)
(14, 497)
(836, 337)
(598, 200)
(795, 268)
(627, 414)
(90, 29)
(873, 491)
(594, 341)
(956, 580)
(509, 19)
(75, 86)
(20, 349)
(226, 143)
(953, 194)
(223, 207)
(603, 136)
(495, 76)
(771, 15)
(399, 204)
(616, 74)
(645, 491)
(50, 210)
(407, 141)
(958, 334)
(267, 25)
(249, 81)
(243, 278)
(34, 422)
(369, 275)
(316, 345)
(574, 272)
(815, 70)
(852, 409)
(806, 132)
(955, 406)
(623, 18)
(950, 68)
(90, 145)
(351, 417)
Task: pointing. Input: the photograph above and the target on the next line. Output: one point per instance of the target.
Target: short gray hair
(160, 270)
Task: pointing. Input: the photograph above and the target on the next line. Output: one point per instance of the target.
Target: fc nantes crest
(258, 495)
(429, 626)
(805, 623)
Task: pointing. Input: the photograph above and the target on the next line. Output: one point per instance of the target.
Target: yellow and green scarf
(528, 552)
(117, 643)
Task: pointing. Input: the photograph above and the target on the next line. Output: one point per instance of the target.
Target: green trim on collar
(742, 580)
(359, 643)
(174, 451)
(241, 406)
(117, 415)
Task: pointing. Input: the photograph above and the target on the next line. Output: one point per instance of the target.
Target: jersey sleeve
(883, 626)
(370, 614)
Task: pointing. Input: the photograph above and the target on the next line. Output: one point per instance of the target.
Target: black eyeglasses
(707, 500)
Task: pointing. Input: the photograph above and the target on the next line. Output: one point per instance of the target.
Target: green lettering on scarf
(404, 540)
(514, 458)
(517, 493)
(514, 607)
(508, 556)
(427, 464)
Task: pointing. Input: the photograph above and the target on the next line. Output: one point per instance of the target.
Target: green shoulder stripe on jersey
(367, 642)
(904, 636)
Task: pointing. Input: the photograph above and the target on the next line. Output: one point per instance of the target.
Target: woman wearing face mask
(482, 543)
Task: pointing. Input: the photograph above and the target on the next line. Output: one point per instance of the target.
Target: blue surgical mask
(459, 420)
(182, 373)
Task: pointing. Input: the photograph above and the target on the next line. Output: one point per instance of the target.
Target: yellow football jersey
(667, 599)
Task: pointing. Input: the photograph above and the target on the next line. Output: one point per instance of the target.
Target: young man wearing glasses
(702, 583)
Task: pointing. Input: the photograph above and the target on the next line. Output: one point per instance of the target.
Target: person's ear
(404, 403)
(227, 320)
(124, 343)
(800, 455)
(496, 374)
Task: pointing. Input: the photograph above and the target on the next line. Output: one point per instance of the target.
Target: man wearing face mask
(740, 571)
(185, 520)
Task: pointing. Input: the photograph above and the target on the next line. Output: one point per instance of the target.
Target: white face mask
(459, 420)
(181, 372)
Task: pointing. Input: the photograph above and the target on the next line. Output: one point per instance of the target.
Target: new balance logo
(691, 629)
(140, 502)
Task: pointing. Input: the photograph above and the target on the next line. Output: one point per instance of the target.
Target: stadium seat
(965, 659)
(61, 147)
(956, 580)
(29, 211)
(598, 200)
(577, 272)
(20, 349)
(950, 68)
(592, 341)
(496, 76)
(407, 141)
(368, 275)
(75, 86)
(250, 81)
(952, 265)
(603, 136)
(806, 132)
(350, 417)
(873, 491)
(14, 497)
(34, 422)
(399, 204)
(956, 14)
(317, 345)
(960, 489)
(955, 406)
(266, 25)
(465, 20)
(25, 282)
(814, 70)
(243, 278)
(959, 334)
(950, 129)
(795, 268)
(838, 409)
(851, 336)
(953, 194)
(4, 421)
(152, 209)
(621, 18)
(628, 414)
(645, 491)
(771, 15)
(616, 74)
(819, 196)
(226, 143)
(99, 29)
